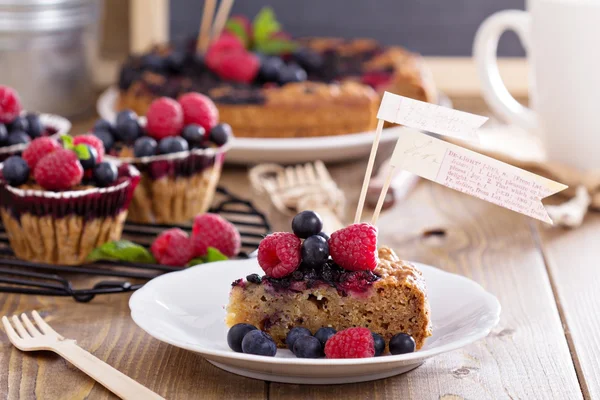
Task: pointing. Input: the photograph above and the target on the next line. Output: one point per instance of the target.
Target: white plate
(285, 151)
(187, 310)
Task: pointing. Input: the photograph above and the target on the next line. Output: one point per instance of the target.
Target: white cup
(562, 41)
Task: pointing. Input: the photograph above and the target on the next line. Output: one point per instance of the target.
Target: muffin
(179, 150)
(58, 201)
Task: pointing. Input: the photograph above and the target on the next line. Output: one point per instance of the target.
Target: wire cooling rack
(24, 277)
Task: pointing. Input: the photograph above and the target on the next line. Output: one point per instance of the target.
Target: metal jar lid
(47, 15)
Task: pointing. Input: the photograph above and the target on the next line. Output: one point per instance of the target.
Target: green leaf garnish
(67, 141)
(196, 261)
(265, 25)
(235, 27)
(82, 151)
(122, 250)
(276, 46)
(212, 255)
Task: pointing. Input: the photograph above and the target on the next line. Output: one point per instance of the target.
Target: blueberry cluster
(128, 131)
(275, 69)
(246, 338)
(21, 130)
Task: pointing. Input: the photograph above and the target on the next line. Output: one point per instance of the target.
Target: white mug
(562, 41)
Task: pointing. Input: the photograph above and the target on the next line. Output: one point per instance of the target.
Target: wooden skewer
(221, 18)
(365, 187)
(207, 19)
(382, 195)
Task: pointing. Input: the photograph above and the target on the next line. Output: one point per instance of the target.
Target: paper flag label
(430, 117)
(474, 174)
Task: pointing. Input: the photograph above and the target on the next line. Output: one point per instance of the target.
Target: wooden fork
(302, 187)
(27, 337)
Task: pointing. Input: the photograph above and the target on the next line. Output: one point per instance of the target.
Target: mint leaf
(122, 250)
(67, 141)
(196, 261)
(276, 46)
(264, 25)
(82, 151)
(213, 255)
(236, 28)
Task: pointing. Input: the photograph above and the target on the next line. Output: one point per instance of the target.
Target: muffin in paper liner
(174, 187)
(64, 227)
(54, 125)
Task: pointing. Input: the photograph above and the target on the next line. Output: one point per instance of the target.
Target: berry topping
(103, 125)
(279, 254)
(315, 251)
(199, 109)
(106, 138)
(90, 159)
(323, 334)
(194, 134)
(3, 135)
(105, 174)
(351, 343)
(291, 73)
(35, 128)
(226, 43)
(379, 343)
(93, 141)
(126, 115)
(39, 148)
(165, 118)
(236, 335)
(254, 278)
(294, 334)
(10, 105)
(356, 281)
(172, 144)
(237, 66)
(270, 69)
(307, 223)
(19, 124)
(128, 131)
(259, 343)
(172, 247)
(308, 347)
(212, 230)
(308, 59)
(154, 62)
(355, 247)
(144, 147)
(15, 170)
(220, 134)
(59, 170)
(377, 79)
(324, 235)
(18, 137)
(402, 343)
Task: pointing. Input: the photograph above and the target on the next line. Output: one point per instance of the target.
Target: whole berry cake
(179, 149)
(60, 200)
(267, 85)
(328, 284)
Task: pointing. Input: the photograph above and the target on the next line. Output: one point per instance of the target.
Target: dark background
(431, 27)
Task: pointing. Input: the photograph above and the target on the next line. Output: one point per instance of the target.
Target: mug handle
(485, 49)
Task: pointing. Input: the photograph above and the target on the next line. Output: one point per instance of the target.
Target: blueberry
(259, 343)
(175, 60)
(172, 144)
(315, 251)
(220, 134)
(90, 162)
(402, 343)
(379, 344)
(15, 170)
(323, 334)
(105, 173)
(324, 235)
(107, 139)
(19, 124)
(308, 347)
(308, 59)
(103, 125)
(145, 147)
(35, 128)
(254, 278)
(18, 137)
(194, 134)
(307, 223)
(291, 73)
(3, 135)
(236, 335)
(127, 76)
(270, 69)
(154, 62)
(294, 334)
(125, 115)
(128, 130)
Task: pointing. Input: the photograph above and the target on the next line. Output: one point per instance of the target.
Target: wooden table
(546, 346)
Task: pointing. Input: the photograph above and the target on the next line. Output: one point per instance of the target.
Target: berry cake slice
(341, 282)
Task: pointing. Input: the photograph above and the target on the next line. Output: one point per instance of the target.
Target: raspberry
(279, 254)
(355, 247)
(93, 141)
(238, 66)
(59, 170)
(10, 105)
(212, 230)
(172, 247)
(199, 109)
(165, 118)
(351, 343)
(377, 79)
(227, 42)
(39, 148)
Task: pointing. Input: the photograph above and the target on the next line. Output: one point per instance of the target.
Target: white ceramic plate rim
(486, 297)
